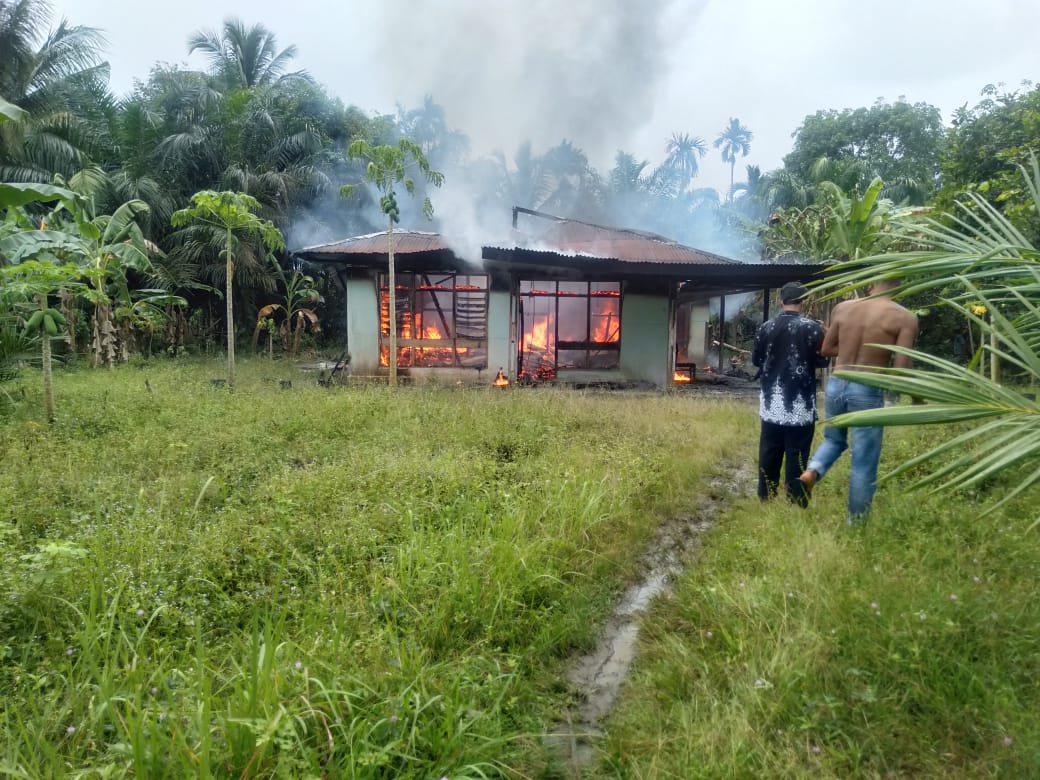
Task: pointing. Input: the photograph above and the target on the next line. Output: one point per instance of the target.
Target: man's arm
(906, 337)
(758, 353)
(829, 347)
(819, 359)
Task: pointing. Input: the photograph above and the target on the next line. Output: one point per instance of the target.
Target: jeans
(788, 445)
(843, 396)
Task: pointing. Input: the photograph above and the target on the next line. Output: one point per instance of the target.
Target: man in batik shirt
(787, 353)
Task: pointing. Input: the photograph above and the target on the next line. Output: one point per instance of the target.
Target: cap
(793, 292)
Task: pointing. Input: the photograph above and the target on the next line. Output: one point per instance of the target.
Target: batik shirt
(787, 354)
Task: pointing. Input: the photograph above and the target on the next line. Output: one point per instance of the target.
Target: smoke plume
(538, 70)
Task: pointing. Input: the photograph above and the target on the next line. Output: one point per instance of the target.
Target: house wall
(363, 337)
(645, 340)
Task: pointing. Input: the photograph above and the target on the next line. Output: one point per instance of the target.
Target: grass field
(358, 583)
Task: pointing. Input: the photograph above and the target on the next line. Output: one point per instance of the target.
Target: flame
(606, 324)
(681, 379)
(500, 380)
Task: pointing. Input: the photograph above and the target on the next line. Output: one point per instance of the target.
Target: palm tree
(245, 57)
(231, 213)
(627, 174)
(54, 77)
(684, 151)
(734, 140)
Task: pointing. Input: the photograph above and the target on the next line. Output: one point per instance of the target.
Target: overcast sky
(610, 74)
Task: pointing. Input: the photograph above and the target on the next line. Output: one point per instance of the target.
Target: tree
(734, 140)
(899, 142)
(994, 273)
(12, 198)
(35, 282)
(245, 57)
(386, 167)
(684, 151)
(987, 144)
(53, 76)
(296, 310)
(231, 213)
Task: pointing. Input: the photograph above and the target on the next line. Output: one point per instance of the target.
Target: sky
(609, 75)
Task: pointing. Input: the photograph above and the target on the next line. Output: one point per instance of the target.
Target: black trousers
(788, 445)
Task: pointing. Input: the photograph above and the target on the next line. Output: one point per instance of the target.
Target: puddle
(597, 677)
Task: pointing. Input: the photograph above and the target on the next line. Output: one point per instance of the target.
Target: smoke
(538, 72)
(534, 70)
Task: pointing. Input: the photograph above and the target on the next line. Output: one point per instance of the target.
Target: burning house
(568, 302)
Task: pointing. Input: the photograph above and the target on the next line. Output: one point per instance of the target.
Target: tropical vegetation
(177, 604)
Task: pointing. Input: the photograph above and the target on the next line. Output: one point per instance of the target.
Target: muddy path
(597, 677)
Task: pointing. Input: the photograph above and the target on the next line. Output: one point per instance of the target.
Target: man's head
(884, 286)
(793, 293)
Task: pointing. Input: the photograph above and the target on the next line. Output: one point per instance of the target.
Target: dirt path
(598, 676)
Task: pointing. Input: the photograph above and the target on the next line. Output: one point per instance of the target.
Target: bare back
(856, 325)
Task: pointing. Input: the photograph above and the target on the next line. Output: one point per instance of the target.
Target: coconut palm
(244, 57)
(995, 272)
(734, 140)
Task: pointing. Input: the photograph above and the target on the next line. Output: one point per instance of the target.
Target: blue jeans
(843, 396)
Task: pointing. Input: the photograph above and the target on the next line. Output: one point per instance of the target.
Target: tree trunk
(48, 376)
(230, 317)
(392, 302)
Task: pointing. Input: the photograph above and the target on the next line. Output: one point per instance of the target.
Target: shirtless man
(857, 332)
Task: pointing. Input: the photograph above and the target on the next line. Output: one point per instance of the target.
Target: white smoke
(511, 71)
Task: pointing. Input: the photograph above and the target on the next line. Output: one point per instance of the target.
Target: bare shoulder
(841, 309)
(907, 315)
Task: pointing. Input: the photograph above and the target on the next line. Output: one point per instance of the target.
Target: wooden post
(722, 327)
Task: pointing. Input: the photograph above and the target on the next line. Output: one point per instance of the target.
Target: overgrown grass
(799, 647)
(318, 583)
(356, 583)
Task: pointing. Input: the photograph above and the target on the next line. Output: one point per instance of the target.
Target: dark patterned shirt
(787, 352)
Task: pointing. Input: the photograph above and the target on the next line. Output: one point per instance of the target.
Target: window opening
(568, 325)
(441, 320)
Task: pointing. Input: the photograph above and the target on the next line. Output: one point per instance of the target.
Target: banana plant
(296, 312)
(105, 247)
(856, 222)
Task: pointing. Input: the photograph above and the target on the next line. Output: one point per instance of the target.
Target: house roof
(574, 247)
(574, 237)
(406, 242)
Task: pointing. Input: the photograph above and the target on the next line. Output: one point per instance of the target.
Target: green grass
(313, 582)
(357, 583)
(800, 647)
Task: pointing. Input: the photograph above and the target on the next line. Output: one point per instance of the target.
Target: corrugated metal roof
(576, 238)
(405, 242)
(564, 237)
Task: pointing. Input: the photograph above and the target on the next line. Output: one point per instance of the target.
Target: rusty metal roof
(573, 237)
(405, 242)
